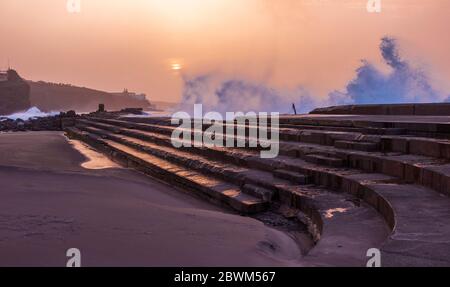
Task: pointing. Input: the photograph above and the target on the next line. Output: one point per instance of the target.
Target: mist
(402, 83)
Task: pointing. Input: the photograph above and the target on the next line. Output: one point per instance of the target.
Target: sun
(176, 66)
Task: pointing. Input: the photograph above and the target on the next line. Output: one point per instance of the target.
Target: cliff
(62, 97)
(14, 93)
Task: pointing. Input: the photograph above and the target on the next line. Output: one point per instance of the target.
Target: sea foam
(31, 113)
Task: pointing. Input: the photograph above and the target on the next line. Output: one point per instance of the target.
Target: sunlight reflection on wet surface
(330, 213)
(94, 159)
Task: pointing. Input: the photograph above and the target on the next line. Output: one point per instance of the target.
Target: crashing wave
(403, 84)
(31, 113)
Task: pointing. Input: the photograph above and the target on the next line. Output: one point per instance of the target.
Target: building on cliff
(132, 95)
(63, 97)
(14, 93)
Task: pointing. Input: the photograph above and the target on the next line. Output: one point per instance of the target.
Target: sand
(56, 195)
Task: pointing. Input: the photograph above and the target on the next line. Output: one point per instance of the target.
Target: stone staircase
(356, 187)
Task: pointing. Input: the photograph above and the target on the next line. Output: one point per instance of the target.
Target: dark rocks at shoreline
(58, 122)
(103, 113)
(51, 123)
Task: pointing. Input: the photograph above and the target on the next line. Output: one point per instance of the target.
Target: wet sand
(52, 198)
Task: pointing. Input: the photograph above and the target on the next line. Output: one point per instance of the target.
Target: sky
(154, 46)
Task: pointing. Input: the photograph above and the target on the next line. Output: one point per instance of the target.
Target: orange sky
(116, 44)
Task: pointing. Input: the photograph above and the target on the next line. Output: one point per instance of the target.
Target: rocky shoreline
(50, 123)
(57, 122)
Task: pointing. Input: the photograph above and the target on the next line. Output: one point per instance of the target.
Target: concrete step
(392, 141)
(417, 216)
(439, 148)
(343, 230)
(356, 145)
(251, 159)
(293, 177)
(333, 121)
(421, 232)
(426, 171)
(208, 187)
(318, 137)
(367, 131)
(225, 171)
(258, 191)
(425, 126)
(381, 130)
(364, 139)
(385, 194)
(161, 129)
(321, 157)
(324, 160)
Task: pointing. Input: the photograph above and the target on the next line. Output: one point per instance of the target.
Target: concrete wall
(432, 109)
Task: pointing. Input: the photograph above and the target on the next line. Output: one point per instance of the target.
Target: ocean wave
(403, 84)
(31, 113)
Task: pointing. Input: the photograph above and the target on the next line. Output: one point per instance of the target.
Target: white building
(132, 95)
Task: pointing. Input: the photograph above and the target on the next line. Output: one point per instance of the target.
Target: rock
(52, 123)
(71, 114)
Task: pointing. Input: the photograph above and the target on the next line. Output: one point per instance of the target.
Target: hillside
(62, 97)
(14, 93)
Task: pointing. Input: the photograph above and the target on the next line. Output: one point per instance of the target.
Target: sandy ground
(54, 197)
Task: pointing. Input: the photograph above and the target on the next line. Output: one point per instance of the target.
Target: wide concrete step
(434, 122)
(385, 194)
(426, 171)
(324, 160)
(161, 129)
(284, 125)
(426, 146)
(206, 186)
(343, 227)
(364, 141)
(293, 177)
(285, 134)
(417, 216)
(357, 145)
(329, 177)
(352, 140)
(367, 130)
(258, 191)
(421, 232)
(226, 171)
